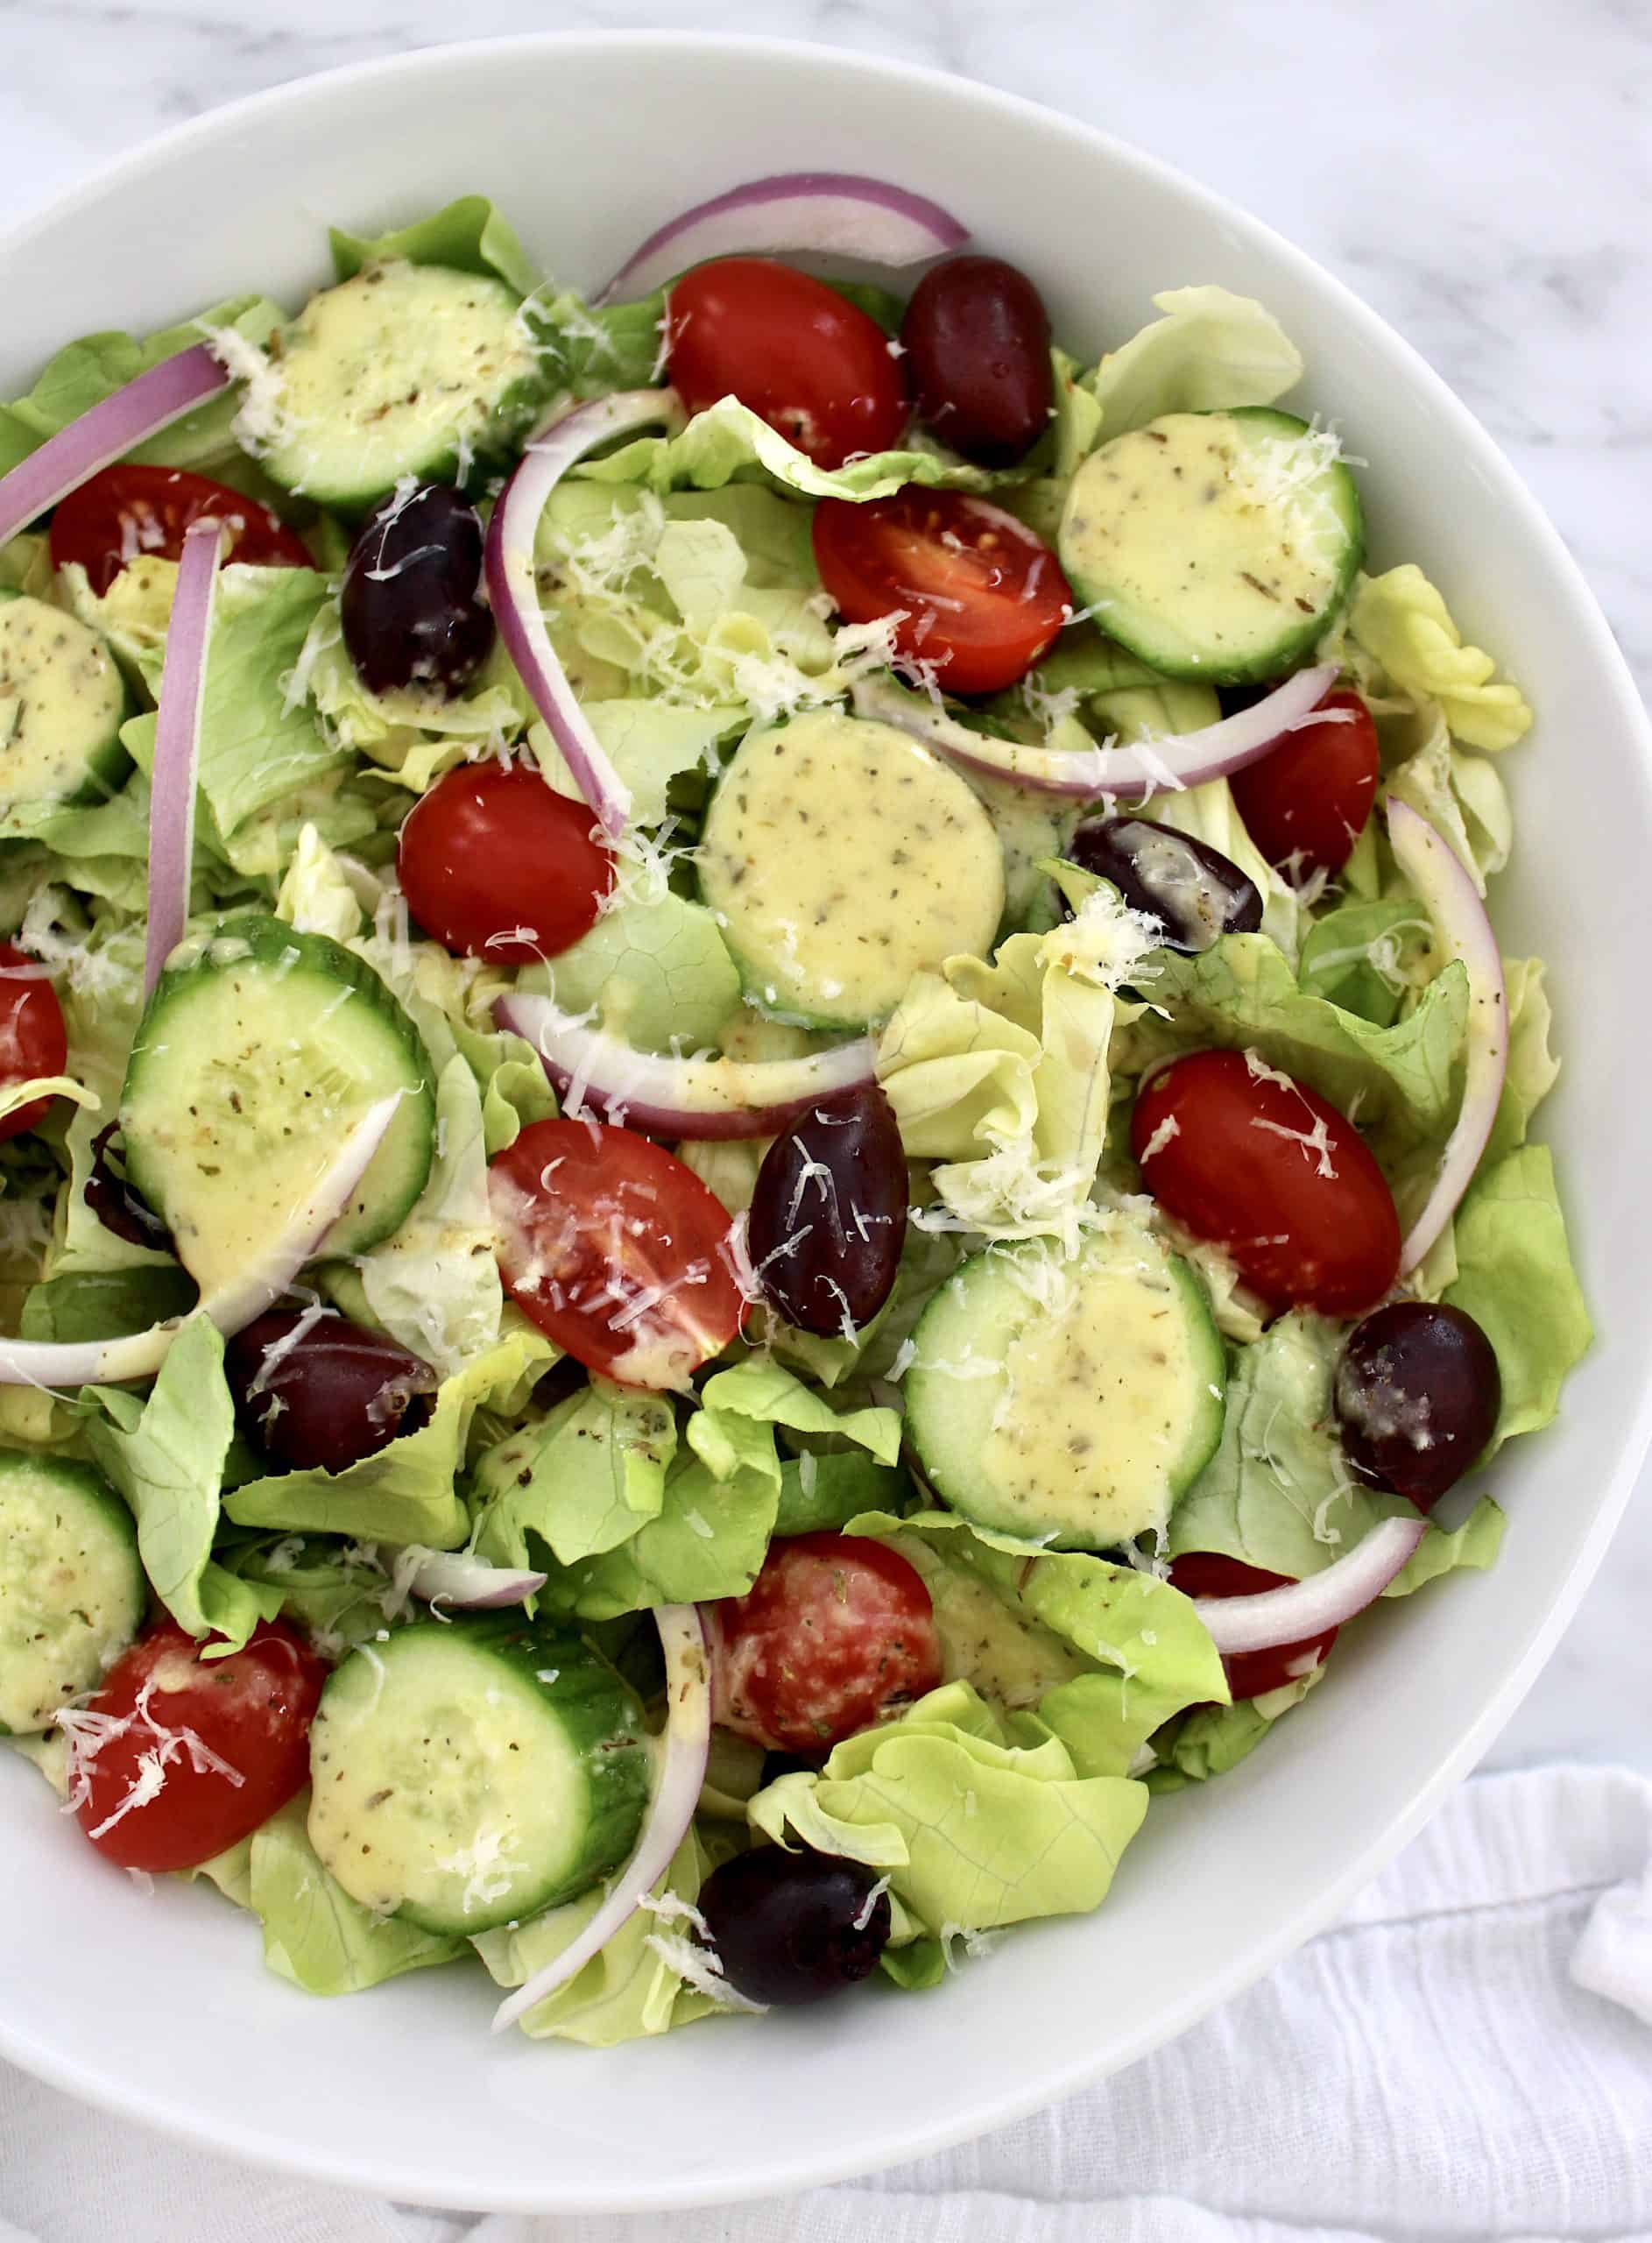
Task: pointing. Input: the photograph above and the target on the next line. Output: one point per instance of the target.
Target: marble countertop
(1480, 171)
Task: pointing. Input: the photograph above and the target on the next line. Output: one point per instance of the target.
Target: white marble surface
(1479, 170)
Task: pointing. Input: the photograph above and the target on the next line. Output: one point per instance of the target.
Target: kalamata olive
(115, 1203)
(1194, 892)
(318, 1392)
(409, 605)
(977, 337)
(792, 1928)
(1417, 1395)
(829, 1216)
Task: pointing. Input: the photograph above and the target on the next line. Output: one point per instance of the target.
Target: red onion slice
(1314, 1606)
(1148, 767)
(106, 433)
(111, 1363)
(678, 1098)
(1447, 890)
(459, 1578)
(835, 214)
(508, 566)
(172, 797)
(683, 1751)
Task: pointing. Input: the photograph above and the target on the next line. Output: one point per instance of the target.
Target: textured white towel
(1466, 2054)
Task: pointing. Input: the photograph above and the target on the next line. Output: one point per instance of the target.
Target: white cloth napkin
(1467, 2054)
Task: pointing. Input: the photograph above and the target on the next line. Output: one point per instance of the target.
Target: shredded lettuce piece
(1401, 621)
(1212, 348)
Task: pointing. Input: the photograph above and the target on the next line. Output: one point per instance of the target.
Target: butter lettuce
(1210, 349)
(1211, 1739)
(314, 1934)
(729, 440)
(657, 974)
(1533, 1069)
(1364, 957)
(166, 1456)
(469, 234)
(412, 736)
(1460, 794)
(972, 1830)
(583, 1478)
(1401, 621)
(1514, 1277)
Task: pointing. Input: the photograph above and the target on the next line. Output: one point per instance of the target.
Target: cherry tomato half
(799, 355)
(1261, 1164)
(1250, 1673)
(617, 1249)
(496, 864)
(984, 596)
(1306, 804)
(210, 1749)
(122, 511)
(33, 1041)
(836, 1632)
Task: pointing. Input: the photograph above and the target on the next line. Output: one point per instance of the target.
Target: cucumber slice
(841, 857)
(1070, 1402)
(62, 701)
(405, 370)
(1215, 545)
(261, 1048)
(71, 1589)
(469, 1773)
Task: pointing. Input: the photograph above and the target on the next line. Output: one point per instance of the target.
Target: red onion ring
(685, 1746)
(1179, 759)
(105, 432)
(678, 1098)
(508, 566)
(111, 1362)
(1314, 1606)
(171, 799)
(835, 214)
(459, 1578)
(1447, 893)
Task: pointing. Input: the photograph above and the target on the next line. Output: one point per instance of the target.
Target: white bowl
(158, 2007)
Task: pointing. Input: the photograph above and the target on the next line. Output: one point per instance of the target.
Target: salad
(762, 1137)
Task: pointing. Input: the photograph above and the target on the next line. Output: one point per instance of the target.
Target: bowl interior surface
(159, 2006)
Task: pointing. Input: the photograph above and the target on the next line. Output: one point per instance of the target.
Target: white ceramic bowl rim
(758, 2170)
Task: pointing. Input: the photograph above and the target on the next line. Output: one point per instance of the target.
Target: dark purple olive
(1196, 893)
(411, 607)
(977, 337)
(318, 1392)
(829, 1216)
(1417, 1395)
(113, 1201)
(792, 1928)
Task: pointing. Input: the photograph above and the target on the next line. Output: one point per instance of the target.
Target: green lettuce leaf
(973, 1831)
(1515, 1279)
(86, 371)
(1212, 348)
(166, 1457)
(1211, 1739)
(469, 234)
(582, 1479)
(1401, 620)
(1474, 1543)
(1460, 794)
(1533, 1069)
(822, 1494)
(729, 440)
(1363, 957)
(407, 1492)
(657, 974)
(336, 1590)
(314, 1934)
(630, 1989)
(105, 1304)
(412, 736)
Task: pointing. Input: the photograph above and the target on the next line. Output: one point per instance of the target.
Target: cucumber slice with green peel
(405, 370)
(73, 1593)
(260, 1049)
(470, 1772)
(1067, 1401)
(62, 703)
(841, 857)
(1219, 546)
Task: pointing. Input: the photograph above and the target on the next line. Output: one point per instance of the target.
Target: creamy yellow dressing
(61, 702)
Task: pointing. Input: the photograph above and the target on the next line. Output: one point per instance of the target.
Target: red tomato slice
(496, 864)
(1250, 1673)
(617, 1249)
(122, 511)
(1261, 1164)
(836, 1632)
(185, 1755)
(983, 596)
(1306, 804)
(33, 1041)
(799, 355)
